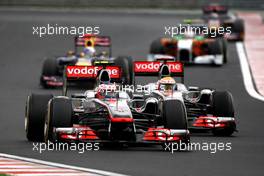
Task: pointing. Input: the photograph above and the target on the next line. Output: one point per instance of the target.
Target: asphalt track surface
(21, 59)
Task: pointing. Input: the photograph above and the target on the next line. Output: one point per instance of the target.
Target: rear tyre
(216, 48)
(156, 47)
(50, 68)
(239, 27)
(126, 64)
(223, 107)
(36, 108)
(59, 114)
(224, 45)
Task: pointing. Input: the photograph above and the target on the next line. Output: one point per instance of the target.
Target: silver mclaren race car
(104, 115)
(207, 109)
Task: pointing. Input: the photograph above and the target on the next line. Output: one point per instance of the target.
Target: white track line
(54, 174)
(92, 171)
(247, 77)
(36, 170)
(22, 167)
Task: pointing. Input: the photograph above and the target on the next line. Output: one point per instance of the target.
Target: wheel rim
(46, 124)
(26, 115)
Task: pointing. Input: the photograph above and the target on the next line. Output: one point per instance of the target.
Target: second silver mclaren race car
(207, 109)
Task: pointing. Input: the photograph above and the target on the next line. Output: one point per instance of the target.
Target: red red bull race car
(87, 53)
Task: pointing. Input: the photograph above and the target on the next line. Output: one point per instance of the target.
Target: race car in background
(53, 68)
(191, 48)
(207, 109)
(104, 115)
(218, 15)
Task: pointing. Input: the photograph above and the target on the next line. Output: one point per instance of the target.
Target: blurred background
(132, 31)
(238, 4)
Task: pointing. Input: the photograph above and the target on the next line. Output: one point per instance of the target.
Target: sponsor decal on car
(153, 67)
(91, 71)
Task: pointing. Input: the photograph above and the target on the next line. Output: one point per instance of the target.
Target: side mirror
(117, 96)
(67, 61)
(192, 88)
(78, 96)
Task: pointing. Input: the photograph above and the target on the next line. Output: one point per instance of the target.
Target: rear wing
(159, 68)
(84, 73)
(220, 9)
(89, 40)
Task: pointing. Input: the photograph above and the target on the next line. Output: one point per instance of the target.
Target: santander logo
(90, 71)
(145, 66)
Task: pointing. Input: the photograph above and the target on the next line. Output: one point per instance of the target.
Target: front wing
(151, 136)
(211, 123)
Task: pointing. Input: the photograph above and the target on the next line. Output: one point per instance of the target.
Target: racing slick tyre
(175, 117)
(50, 68)
(223, 107)
(216, 48)
(59, 114)
(126, 64)
(174, 114)
(239, 27)
(156, 47)
(224, 45)
(36, 108)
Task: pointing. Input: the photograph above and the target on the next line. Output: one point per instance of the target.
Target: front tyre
(174, 114)
(59, 114)
(223, 107)
(36, 108)
(175, 117)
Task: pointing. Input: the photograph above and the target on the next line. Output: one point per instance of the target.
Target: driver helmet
(100, 93)
(89, 51)
(105, 91)
(166, 84)
(81, 55)
(70, 53)
(214, 16)
(189, 34)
